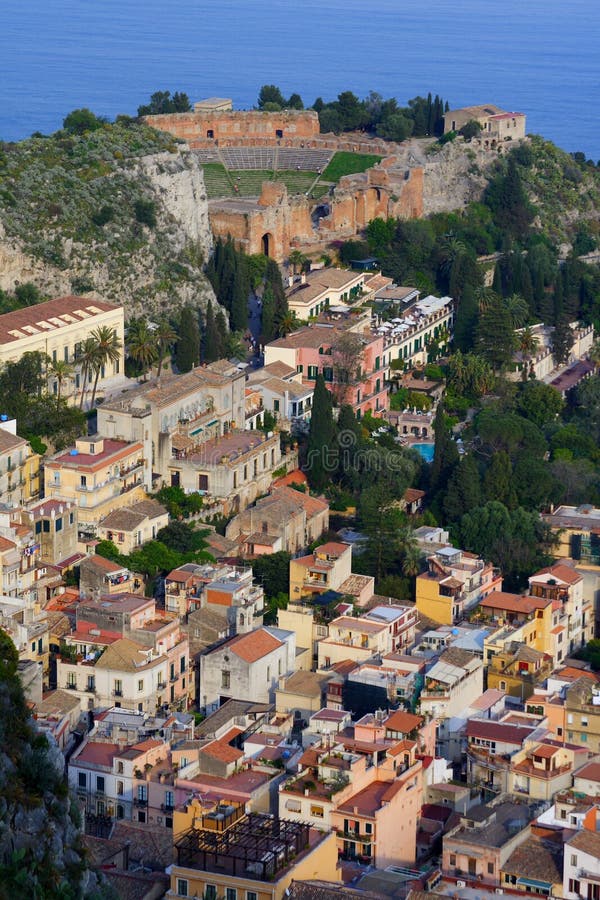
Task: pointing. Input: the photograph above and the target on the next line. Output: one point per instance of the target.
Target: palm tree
(485, 297)
(166, 337)
(108, 350)
(288, 323)
(62, 371)
(297, 260)
(142, 344)
(451, 249)
(528, 343)
(86, 357)
(411, 562)
(518, 309)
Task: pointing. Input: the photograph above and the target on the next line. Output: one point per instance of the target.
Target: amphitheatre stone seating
(303, 159)
(209, 155)
(237, 158)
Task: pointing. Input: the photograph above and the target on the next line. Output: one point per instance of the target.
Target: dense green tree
(445, 456)
(161, 103)
(507, 198)
(385, 528)
(295, 102)
(464, 489)
(539, 402)
(183, 537)
(187, 353)
(81, 120)
(273, 572)
(467, 316)
(495, 339)
(562, 341)
(212, 340)
(268, 314)
(497, 481)
(470, 129)
(270, 93)
(395, 128)
(320, 452)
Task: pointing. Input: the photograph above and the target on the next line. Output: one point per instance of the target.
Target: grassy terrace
(220, 181)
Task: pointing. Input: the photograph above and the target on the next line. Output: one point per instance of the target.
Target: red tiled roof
(591, 772)
(148, 744)
(497, 731)
(97, 753)
(296, 476)
(42, 312)
(561, 572)
(254, 645)
(402, 721)
(222, 751)
(513, 602)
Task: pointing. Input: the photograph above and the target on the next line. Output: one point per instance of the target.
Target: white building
(247, 667)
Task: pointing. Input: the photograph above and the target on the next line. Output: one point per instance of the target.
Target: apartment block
(19, 466)
(454, 583)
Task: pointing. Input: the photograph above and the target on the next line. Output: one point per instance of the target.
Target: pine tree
(320, 452)
(187, 354)
(562, 341)
(495, 338)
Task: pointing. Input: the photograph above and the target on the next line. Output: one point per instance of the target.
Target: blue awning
(533, 882)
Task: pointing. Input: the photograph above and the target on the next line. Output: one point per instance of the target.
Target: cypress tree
(213, 340)
(268, 314)
(467, 315)
(445, 455)
(321, 436)
(187, 353)
(464, 489)
(239, 298)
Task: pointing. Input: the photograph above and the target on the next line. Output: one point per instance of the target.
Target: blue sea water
(536, 56)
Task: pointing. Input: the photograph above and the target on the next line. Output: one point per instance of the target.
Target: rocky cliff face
(123, 213)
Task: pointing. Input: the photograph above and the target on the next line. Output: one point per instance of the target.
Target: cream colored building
(100, 474)
(19, 466)
(58, 329)
(495, 122)
(131, 674)
(176, 413)
(133, 526)
(313, 293)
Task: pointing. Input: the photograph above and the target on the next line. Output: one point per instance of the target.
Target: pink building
(318, 349)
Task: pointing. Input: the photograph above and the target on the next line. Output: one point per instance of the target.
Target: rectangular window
(573, 859)
(453, 859)
(251, 895)
(82, 780)
(225, 680)
(313, 371)
(83, 480)
(300, 369)
(100, 783)
(119, 788)
(316, 811)
(182, 887)
(118, 690)
(490, 868)
(275, 405)
(58, 524)
(140, 684)
(230, 894)
(46, 524)
(38, 527)
(182, 665)
(210, 892)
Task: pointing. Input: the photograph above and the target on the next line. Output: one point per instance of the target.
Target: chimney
(303, 278)
(290, 280)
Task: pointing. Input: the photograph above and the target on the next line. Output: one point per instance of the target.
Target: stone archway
(266, 243)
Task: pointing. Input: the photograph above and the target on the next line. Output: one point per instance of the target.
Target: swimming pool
(426, 451)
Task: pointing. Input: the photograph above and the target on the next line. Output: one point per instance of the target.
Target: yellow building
(19, 466)
(100, 475)
(224, 852)
(454, 583)
(518, 669)
(57, 329)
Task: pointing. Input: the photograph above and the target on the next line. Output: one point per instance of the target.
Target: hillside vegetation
(120, 209)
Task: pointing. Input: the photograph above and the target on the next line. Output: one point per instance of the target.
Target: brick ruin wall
(244, 128)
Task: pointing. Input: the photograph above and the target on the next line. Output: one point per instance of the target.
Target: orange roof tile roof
(5, 544)
(254, 645)
(222, 751)
(296, 476)
(560, 571)
(402, 721)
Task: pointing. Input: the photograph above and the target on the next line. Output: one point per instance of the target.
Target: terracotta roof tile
(254, 645)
